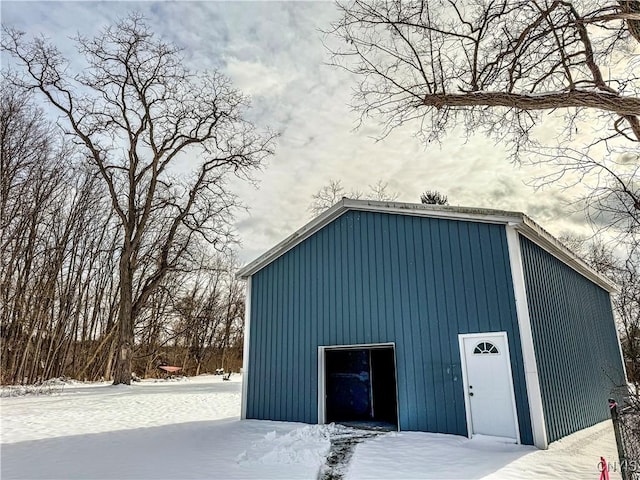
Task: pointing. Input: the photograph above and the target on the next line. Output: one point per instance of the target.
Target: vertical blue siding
(373, 278)
(575, 341)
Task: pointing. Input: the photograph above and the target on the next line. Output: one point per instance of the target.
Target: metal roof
(525, 225)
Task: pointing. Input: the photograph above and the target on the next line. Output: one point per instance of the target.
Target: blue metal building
(431, 318)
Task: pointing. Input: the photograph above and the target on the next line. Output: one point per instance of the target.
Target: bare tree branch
(137, 111)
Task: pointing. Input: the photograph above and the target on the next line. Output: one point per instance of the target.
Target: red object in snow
(170, 369)
(604, 469)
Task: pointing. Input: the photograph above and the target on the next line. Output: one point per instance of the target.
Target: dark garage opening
(361, 387)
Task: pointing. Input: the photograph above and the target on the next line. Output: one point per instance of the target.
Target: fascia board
(546, 241)
(443, 212)
(523, 224)
(292, 240)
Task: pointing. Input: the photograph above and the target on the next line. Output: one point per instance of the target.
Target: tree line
(109, 220)
(59, 287)
(117, 235)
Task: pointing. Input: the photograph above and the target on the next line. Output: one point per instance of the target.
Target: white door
(488, 385)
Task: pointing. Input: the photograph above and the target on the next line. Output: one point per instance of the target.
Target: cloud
(255, 78)
(273, 51)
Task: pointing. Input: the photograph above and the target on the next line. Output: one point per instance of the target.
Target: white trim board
(532, 379)
(245, 350)
(532, 231)
(322, 395)
(528, 227)
(624, 363)
(358, 346)
(346, 204)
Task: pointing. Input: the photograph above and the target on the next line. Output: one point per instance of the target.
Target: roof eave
(346, 204)
(548, 242)
(520, 221)
(292, 240)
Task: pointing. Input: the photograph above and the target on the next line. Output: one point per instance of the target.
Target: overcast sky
(273, 51)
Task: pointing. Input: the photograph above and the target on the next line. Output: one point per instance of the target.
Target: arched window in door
(485, 348)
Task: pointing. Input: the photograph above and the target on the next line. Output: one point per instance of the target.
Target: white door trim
(465, 380)
(322, 396)
(322, 400)
(532, 380)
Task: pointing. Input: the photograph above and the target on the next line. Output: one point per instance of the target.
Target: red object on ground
(170, 369)
(604, 472)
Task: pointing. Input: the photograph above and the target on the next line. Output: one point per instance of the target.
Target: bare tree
(450, 60)
(56, 250)
(195, 320)
(496, 68)
(328, 196)
(612, 197)
(333, 192)
(380, 191)
(433, 197)
(163, 140)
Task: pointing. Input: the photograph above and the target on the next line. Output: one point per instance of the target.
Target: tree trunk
(108, 370)
(122, 373)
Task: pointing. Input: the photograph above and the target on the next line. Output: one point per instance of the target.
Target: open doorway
(360, 386)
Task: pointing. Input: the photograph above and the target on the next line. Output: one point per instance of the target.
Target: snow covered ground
(191, 429)
(428, 455)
